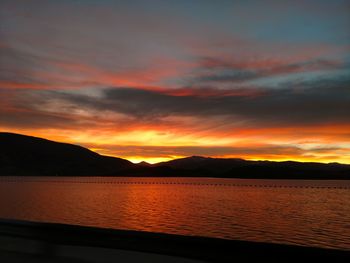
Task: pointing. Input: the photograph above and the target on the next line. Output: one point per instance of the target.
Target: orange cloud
(158, 143)
(22, 85)
(161, 69)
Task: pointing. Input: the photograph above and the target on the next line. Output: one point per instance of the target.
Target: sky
(157, 80)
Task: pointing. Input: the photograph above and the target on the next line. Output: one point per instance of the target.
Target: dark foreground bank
(45, 242)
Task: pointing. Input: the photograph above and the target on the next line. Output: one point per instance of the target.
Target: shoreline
(53, 236)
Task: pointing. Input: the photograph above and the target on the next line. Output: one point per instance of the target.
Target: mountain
(204, 163)
(26, 155)
(239, 168)
(144, 164)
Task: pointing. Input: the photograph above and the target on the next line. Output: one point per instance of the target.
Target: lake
(310, 213)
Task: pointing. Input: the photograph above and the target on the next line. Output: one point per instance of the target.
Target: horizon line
(159, 159)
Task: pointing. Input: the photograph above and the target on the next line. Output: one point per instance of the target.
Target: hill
(22, 155)
(26, 155)
(239, 168)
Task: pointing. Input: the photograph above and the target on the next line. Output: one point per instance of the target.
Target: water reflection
(313, 213)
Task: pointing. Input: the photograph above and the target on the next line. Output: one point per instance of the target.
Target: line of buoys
(174, 183)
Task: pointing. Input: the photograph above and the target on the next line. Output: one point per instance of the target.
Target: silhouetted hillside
(26, 155)
(204, 163)
(144, 164)
(239, 168)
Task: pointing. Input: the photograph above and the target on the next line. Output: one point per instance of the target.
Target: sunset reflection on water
(311, 213)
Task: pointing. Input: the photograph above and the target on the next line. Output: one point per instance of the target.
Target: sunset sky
(157, 80)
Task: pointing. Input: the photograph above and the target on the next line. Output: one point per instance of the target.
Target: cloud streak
(229, 71)
(320, 101)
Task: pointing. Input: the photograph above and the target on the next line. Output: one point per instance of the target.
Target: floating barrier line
(173, 183)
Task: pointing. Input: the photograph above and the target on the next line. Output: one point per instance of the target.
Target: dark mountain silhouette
(239, 168)
(25, 155)
(204, 163)
(144, 164)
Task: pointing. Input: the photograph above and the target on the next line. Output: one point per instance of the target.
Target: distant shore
(22, 155)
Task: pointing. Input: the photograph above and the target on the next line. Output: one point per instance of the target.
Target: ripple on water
(311, 213)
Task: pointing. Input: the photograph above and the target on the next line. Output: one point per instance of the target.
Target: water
(311, 213)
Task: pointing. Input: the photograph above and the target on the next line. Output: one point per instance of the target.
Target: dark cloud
(25, 109)
(17, 66)
(232, 75)
(26, 69)
(218, 70)
(319, 101)
(32, 119)
(305, 103)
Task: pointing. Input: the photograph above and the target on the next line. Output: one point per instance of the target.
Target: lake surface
(311, 213)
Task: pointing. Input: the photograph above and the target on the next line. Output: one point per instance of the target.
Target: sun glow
(151, 160)
(154, 146)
